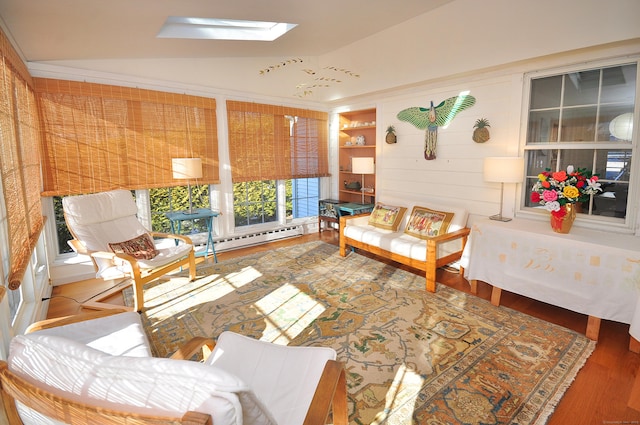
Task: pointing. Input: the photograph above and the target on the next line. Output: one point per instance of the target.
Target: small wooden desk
(587, 271)
(177, 217)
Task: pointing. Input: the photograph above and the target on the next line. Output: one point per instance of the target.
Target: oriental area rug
(412, 357)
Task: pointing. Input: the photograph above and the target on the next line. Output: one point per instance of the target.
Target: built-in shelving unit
(357, 139)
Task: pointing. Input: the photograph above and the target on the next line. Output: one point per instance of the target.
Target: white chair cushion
(118, 335)
(136, 384)
(100, 207)
(166, 254)
(284, 378)
(99, 219)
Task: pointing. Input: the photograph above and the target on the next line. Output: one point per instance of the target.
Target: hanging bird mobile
(434, 117)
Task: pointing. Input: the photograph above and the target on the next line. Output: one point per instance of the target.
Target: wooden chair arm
(344, 218)
(461, 233)
(330, 394)
(193, 346)
(66, 320)
(65, 410)
(185, 239)
(78, 247)
(81, 249)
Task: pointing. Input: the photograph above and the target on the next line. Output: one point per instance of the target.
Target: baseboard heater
(249, 239)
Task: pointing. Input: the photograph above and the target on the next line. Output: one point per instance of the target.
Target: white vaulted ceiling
(342, 47)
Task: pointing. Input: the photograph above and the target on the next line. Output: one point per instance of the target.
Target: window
(169, 199)
(584, 118)
(302, 197)
(255, 202)
(162, 200)
(62, 231)
(259, 202)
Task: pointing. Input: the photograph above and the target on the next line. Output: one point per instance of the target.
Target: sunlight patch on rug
(185, 295)
(410, 356)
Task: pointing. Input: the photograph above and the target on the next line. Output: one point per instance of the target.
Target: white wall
(455, 176)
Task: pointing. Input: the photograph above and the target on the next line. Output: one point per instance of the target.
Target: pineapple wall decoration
(391, 135)
(481, 131)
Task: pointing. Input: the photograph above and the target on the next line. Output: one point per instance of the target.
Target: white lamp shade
(186, 168)
(503, 169)
(363, 166)
(621, 127)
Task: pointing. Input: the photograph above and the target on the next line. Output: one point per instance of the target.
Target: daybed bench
(419, 234)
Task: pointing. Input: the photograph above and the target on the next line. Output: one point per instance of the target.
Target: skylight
(222, 29)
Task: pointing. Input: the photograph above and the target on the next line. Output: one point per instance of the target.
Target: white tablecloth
(587, 271)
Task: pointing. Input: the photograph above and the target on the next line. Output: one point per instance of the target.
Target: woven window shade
(99, 137)
(19, 161)
(268, 142)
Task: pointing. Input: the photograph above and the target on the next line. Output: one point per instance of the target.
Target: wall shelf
(350, 129)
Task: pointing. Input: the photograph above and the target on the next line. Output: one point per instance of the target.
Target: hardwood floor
(598, 395)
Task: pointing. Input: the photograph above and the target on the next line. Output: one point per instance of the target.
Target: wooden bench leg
(593, 328)
(430, 276)
(496, 293)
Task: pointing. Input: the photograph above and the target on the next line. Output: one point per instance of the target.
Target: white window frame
(630, 223)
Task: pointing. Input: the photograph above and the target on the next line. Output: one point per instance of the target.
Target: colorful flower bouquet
(554, 190)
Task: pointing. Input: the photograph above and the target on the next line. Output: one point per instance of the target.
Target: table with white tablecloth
(591, 272)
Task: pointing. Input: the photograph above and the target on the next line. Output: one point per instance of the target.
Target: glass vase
(563, 224)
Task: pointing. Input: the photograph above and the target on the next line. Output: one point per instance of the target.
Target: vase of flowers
(560, 191)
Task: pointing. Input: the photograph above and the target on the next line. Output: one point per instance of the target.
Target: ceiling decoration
(315, 79)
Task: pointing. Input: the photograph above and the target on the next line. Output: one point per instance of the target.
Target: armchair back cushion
(133, 384)
(101, 219)
(283, 377)
(120, 334)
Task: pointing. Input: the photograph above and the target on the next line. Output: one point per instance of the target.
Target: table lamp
(363, 166)
(503, 170)
(187, 169)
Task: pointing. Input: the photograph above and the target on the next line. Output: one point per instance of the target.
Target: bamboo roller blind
(268, 142)
(19, 161)
(100, 137)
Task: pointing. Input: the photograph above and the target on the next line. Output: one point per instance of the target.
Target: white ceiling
(355, 47)
(47, 30)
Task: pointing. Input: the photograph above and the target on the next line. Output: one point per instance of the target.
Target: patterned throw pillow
(386, 216)
(425, 223)
(140, 247)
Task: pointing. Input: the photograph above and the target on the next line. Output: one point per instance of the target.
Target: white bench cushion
(401, 243)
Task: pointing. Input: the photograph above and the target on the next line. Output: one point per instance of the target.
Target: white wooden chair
(100, 371)
(105, 227)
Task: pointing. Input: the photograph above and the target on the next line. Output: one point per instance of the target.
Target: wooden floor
(597, 396)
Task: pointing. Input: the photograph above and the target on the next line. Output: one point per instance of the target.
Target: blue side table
(353, 208)
(177, 217)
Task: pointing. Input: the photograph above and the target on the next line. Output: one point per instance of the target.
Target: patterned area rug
(411, 356)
